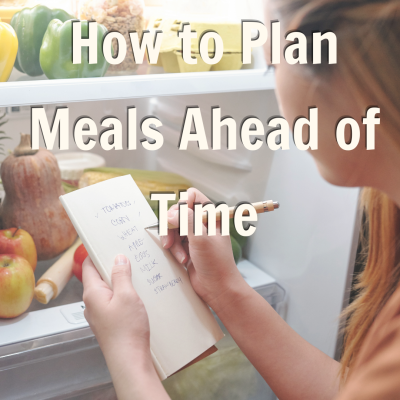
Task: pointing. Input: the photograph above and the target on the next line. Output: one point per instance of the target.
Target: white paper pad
(110, 218)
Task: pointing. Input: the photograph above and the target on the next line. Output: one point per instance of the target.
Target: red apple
(19, 242)
(79, 258)
(17, 284)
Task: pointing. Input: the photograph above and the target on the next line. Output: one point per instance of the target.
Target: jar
(73, 164)
(123, 16)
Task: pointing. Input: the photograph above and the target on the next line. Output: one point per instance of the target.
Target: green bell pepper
(56, 52)
(30, 24)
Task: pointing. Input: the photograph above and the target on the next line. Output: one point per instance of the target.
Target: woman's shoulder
(376, 372)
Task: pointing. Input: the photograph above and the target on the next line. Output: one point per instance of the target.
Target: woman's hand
(118, 315)
(119, 321)
(210, 263)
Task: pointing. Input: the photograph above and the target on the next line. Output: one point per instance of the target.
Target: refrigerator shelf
(149, 81)
(39, 92)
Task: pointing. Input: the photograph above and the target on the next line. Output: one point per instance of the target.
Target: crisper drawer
(70, 365)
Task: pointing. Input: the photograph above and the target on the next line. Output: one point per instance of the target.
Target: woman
(366, 75)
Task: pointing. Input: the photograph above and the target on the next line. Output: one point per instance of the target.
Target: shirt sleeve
(376, 373)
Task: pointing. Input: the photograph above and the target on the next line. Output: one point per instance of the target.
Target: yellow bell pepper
(8, 50)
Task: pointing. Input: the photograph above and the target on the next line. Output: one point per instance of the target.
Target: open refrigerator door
(49, 352)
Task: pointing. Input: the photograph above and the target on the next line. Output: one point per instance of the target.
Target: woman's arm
(293, 368)
(133, 374)
(119, 321)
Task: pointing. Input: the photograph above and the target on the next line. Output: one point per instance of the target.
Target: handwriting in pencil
(136, 244)
(120, 220)
(142, 255)
(128, 232)
(148, 266)
(116, 206)
(171, 283)
(154, 279)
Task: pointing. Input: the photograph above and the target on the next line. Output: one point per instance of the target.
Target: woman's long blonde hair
(368, 33)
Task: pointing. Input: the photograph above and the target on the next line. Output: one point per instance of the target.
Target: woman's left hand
(117, 316)
(119, 320)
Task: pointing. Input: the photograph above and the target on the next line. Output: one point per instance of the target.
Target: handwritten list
(124, 217)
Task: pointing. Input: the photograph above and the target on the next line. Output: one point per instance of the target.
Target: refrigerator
(300, 259)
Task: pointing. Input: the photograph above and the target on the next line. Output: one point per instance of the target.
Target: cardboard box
(171, 59)
(6, 13)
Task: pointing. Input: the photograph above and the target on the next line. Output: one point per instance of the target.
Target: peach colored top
(376, 372)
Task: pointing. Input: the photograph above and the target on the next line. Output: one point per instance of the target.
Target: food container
(9, 7)
(72, 165)
(123, 16)
(170, 57)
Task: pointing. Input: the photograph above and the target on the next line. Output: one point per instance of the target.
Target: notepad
(110, 218)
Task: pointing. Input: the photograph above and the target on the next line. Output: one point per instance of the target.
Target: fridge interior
(57, 336)
(294, 260)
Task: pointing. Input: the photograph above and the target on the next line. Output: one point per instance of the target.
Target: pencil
(260, 207)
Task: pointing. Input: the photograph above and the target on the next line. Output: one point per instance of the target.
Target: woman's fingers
(173, 217)
(177, 249)
(96, 292)
(168, 240)
(191, 236)
(185, 244)
(90, 276)
(121, 275)
(195, 196)
(172, 240)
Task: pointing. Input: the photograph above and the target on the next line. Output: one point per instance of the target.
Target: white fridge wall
(224, 175)
(308, 245)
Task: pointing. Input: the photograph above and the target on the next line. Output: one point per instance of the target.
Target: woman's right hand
(209, 259)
